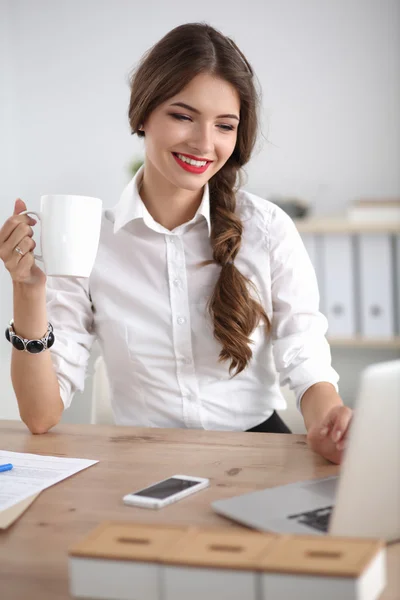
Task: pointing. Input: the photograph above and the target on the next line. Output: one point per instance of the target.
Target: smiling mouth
(191, 164)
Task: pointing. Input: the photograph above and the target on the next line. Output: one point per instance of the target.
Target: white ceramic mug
(70, 234)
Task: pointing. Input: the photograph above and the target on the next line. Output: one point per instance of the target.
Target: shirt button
(176, 282)
(181, 320)
(171, 239)
(187, 361)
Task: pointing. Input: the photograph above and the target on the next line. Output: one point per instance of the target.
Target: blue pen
(6, 467)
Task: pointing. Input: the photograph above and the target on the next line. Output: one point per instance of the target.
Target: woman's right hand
(17, 233)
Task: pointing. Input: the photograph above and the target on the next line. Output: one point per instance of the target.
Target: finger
(327, 423)
(27, 244)
(325, 429)
(342, 443)
(341, 440)
(343, 418)
(19, 206)
(20, 232)
(11, 224)
(336, 457)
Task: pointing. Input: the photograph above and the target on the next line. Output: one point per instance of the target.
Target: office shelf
(360, 342)
(349, 275)
(343, 225)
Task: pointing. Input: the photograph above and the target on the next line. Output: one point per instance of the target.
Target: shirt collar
(131, 207)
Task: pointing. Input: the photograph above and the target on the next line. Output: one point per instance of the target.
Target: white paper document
(33, 473)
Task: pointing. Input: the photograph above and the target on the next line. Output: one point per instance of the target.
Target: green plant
(135, 165)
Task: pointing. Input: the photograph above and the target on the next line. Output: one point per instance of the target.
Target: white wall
(8, 179)
(330, 76)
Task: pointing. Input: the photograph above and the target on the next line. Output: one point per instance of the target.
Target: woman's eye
(226, 127)
(180, 117)
(221, 126)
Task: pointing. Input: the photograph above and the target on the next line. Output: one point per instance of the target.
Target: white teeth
(195, 163)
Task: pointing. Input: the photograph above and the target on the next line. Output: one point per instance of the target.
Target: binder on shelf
(376, 276)
(337, 272)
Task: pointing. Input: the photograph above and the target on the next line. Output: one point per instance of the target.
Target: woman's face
(190, 137)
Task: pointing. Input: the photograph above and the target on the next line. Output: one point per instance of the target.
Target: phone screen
(166, 488)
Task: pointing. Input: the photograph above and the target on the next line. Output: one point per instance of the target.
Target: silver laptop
(364, 501)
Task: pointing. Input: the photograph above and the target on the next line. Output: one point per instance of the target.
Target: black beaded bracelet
(31, 346)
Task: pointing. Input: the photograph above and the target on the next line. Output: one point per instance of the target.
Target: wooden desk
(33, 551)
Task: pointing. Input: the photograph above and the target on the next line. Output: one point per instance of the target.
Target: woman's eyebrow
(183, 105)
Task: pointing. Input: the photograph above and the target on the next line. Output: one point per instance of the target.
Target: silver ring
(18, 249)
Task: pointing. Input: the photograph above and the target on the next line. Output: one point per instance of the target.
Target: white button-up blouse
(145, 302)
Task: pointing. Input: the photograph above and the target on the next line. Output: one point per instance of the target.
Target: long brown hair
(163, 72)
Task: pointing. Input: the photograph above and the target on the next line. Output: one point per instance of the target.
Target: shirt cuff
(65, 394)
(307, 374)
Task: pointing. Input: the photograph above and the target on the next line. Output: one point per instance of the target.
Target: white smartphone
(166, 491)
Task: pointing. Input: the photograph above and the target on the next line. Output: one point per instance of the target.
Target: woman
(198, 287)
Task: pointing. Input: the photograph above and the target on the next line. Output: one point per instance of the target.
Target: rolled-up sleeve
(301, 351)
(69, 309)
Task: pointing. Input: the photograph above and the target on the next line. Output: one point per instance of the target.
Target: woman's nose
(202, 142)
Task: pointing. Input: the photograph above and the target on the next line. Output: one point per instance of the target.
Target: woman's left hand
(329, 436)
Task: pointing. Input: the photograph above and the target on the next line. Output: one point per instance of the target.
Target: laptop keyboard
(317, 519)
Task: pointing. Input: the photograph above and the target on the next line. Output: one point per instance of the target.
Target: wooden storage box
(129, 561)
(119, 561)
(214, 564)
(309, 568)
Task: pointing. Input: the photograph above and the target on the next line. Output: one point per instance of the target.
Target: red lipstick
(191, 168)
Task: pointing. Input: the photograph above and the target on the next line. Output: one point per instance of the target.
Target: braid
(234, 312)
(182, 54)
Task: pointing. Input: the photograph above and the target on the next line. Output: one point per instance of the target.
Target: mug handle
(32, 212)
